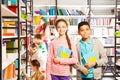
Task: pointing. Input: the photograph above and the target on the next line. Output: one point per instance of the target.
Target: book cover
(63, 52)
(90, 57)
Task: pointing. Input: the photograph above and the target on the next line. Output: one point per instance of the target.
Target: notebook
(63, 52)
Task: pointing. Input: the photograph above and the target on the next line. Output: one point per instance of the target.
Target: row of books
(103, 21)
(102, 32)
(53, 11)
(12, 44)
(71, 21)
(10, 2)
(111, 51)
(14, 31)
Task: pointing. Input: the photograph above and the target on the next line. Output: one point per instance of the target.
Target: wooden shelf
(38, 6)
(102, 16)
(7, 37)
(6, 12)
(11, 57)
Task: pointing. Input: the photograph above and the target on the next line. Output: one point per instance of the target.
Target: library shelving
(117, 38)
(103, 23)
(0, 42)
(14, 38)
(73, 11)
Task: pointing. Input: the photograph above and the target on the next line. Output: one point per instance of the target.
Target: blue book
(90, 57)
(63, 52)
(43, 12)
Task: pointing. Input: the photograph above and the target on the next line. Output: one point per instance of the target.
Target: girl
(58, 68)
(44, 30)
(35, 67)
(91, 54)
(36, 53)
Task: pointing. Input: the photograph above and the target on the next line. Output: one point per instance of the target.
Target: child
(35, 53)
(44, 30)
(59, 68)
(89, 67)
(35, 67)
(38, 39)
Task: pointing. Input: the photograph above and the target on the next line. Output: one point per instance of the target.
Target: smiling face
(61, 28)
(84, 31)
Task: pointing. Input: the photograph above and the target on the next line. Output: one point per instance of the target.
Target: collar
(89, 42)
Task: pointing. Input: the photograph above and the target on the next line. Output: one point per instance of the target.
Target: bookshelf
(73, 11)
(1, 42)
(103, 18)
(19, 39)
(117, 38)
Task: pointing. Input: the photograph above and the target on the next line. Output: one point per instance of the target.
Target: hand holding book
(63, 52)
(90, 59)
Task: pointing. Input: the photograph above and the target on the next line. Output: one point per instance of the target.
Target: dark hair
(35, 63)
(38, 36)
(68, 40)
(33, 45)
(83, 23)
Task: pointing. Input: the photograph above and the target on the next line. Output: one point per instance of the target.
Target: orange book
(9, 32)
(10, 72)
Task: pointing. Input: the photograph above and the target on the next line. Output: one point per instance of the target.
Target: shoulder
(41, 76)
(95, 39)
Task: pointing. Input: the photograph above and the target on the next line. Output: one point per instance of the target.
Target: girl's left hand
(56, 60)
(90, 64)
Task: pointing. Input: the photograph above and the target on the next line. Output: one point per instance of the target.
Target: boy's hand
(85, 70)
(90, 64)
(56, 60)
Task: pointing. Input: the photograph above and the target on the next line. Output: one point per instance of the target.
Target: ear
(79, 32)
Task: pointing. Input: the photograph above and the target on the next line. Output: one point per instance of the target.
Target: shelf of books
(103, 27)
(14, 37)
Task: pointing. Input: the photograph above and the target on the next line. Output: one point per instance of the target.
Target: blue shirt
(86, 49)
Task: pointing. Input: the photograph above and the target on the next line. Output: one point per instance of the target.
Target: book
(90, 57)
(63, 52)
(10, 72)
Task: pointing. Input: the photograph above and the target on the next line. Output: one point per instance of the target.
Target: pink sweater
(62, 69)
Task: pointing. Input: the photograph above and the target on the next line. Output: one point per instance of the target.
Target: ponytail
(68, 40)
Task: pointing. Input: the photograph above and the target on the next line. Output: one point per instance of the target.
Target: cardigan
(102, 59)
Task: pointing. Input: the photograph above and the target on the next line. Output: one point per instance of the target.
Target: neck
(37, 70)
(62, 36)
(86, 39)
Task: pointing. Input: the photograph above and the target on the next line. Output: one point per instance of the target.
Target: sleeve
(103, 56)
(78, 66)
(73, 59)
(48, 65)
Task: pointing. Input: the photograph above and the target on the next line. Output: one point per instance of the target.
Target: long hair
(68, 40)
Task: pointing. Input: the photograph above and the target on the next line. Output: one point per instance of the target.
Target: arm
(103, 60)
(73, 59)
